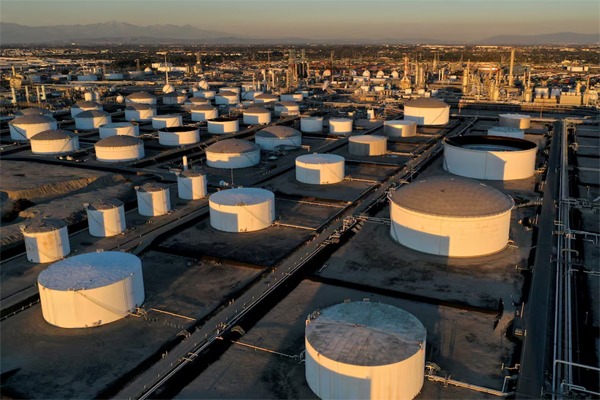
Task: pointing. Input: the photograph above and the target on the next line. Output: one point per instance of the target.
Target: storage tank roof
(199, 100)
(266, 96)
(397, 122)
(119, 141)
(232, 146)
(138, 106)
(490, 143)
(278, 131)
(43, 225)
(141, 95)
(152, 187)
(366, 334)
(241, 196)
(174, 94)
(87, 104)
(116, 125)
(257, 110)
(339, 119)
(228, 93)
(191, 174)
(89, 271)
(426, 102)
(92, 114)
(33, 111)
(32, 119)
(202, 107)
(105, 204)
(287, 104)
(54, 134)
(320, 158)
(452, 197)
(367, 139)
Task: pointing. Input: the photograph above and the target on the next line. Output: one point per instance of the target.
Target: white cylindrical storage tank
(340, 126)
(242, 209)
(119, 149)
(364, 350)
(92, 289)
(506, 131)
(46, 240)
(196, 101)
(153, 199)
(257, 116)
(251, 94)
(191, 185)
(311, 124)
(427, 111)
(57, 141)
(266, 99)
(203, 112)
(520, 121)
(82, 106)
(139, 112)
(227, 98)
(295, 97)
(320, 169)
(399, 128)
(166, 121)
(232, 153)
(272, 137)
(205, 94)
(33, 111)
(490, 157)
(286, 108)
(223, 125)
(367, 145)
(174, 98)
(106, 217)
(119, 128)
(141, 98)
(451, 217)
(87, 120)
(25, 127)
(178, 135)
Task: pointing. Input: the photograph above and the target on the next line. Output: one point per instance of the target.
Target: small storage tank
(205, 94)
(201, 113)
(141, 98)
(33, 111)
(278, 136)
(451, 217)
(191, 185)
(57, 141)
(232, 153)
(399, 128)
(427, 111)
(178, 135)
(46, 240)
(506, 131)
(242, 209)
(340, 126)
(82, 106)
(166, 121)
(119, 149)
(320, 169)
(25, 127)
(91, 289)
(174, 98)
(364, 350)
(284, 108)
(106, 217)
(295, 97)
(153, 199)
(367, 145)
(119, 128)
(223, 125)
(227, 98)
(311, 124)
(87, 120)
(266, 99)
(139, 112)
(490, 157)
(257, 116)
(515, 121)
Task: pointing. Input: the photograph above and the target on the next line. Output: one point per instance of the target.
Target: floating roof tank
(57, 141)
(232, 153)
(272, 137)
(242, 209)
(119, 149)
(320, 169)
(25, 127)
(46, 240)
(427, 111)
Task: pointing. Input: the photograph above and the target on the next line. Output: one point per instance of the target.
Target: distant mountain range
(122, 32)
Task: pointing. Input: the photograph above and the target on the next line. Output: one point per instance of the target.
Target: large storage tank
(257, 116)
(203, 112)
(266, 99)
(340, 126)
(232, 153)
(506, 131)
(153, 199)
(242, 209)
(364, 350)
(284, 108)
(25, 127)
(227, 98)
(139, 112)
(490, 157)
(178, 135)
(91, 289)
(427, 111)
(205, 94)
(46, 240)
(87, 120)
(119, 148)
(296, 97)
(311, 124)
(367, 145)
(223, 125)
(166, 121)
(106, 217)
(515, 121)
(141, 98)
(320, 169)
(399, 128)
(191, 185)
(174, 98)
(119, 128)
(450, 216)
(57, 141)
(272, 137)
(82, 106)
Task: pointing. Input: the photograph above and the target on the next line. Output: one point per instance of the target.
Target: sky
(323, 19)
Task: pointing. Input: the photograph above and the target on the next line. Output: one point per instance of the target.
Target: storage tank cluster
(320, 169)
(178, 135)
(191, 185)
(153, 199)
(506, 131)
(106, 217)
(85, 106)
(311, 124)
(278, 136)
(223, 125)
(367, 145)
(232, 153)
(119, 128)
(490, 157)
(91, 289)
(139, 112)
(399, 128)
(427, 111)
(88, 120)
(57, 141)
(46, 240)
(519, 121)
(166, 121)
(256, 116)
(242, 209)
(340, 126)
(26, 126)
(203, 112)
(364, 350)
(119, 148)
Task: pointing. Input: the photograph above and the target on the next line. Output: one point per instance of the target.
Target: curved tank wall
(320, 169)
(242, 209)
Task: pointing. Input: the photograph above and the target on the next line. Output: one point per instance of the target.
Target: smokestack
(510, 70)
